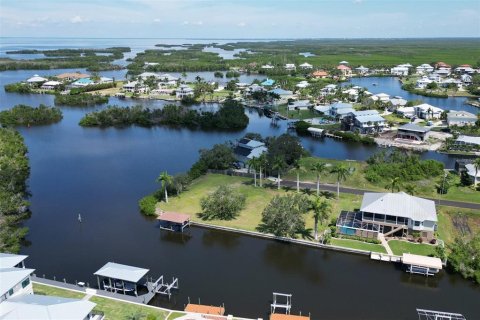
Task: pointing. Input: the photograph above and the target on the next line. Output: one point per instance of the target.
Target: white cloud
(77, 19)
(241, 24)
(157, 20)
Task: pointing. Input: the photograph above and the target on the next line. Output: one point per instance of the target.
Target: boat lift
(286, 302)
(164, 288)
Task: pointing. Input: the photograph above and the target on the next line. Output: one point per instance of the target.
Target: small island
(22, 115)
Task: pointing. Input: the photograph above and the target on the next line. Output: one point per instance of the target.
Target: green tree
(411, 189)
(319, 168)
(298, 168)
(284, 215)
(394, 184)
(278, 165)
(165, 179)
(321, 211)
(464, 257)
(224, 204)
(342, 172)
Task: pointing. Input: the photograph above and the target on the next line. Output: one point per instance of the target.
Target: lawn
(121, 310)
(297, 114)
(399, 247)
(53, 291)
(354, 244)
(457, 222)
(396, 119)
(256, 200)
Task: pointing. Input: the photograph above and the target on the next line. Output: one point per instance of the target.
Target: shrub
(224, 204)
(147, 205)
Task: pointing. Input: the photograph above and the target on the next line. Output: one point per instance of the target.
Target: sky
(237, 19)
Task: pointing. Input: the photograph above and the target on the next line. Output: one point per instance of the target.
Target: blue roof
(268, 82)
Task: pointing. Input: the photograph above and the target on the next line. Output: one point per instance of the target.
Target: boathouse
(120, 278)
(173, 221)
(428, 266)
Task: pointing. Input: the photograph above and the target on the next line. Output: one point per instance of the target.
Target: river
(101, 173)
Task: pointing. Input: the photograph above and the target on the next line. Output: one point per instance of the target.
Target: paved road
(333, 188)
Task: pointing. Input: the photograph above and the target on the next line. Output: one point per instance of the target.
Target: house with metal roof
(9, 260)
(427, 111)
(411, 131)
(14, 282)
(306, 65)
(284, 94)
(424, 68)
(299, 105)
(36, 79)
(365, 121)
(41, 307)
(407, 112)
(391, 214)
(340, 109)
(248, 149)
(362, 70)
(461, 118)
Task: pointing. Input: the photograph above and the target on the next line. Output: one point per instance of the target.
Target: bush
(18, 87)
(224, 204)
(83, 99)
(302, 128)
(22, 115)
(147, 205)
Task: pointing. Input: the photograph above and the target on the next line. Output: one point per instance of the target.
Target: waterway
(101, 173)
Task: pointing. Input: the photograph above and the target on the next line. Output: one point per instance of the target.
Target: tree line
(23, 115)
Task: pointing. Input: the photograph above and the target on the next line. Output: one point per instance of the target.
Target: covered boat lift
(173, 221)
(427, 266)
(120, 277)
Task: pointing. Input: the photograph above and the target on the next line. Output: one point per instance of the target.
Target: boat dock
(415, 264)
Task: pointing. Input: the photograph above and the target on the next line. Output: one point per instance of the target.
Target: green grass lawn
(297, 114)
(457, 222)
(52, 291)
(122, 310)
(354, 244)
(256, 200)
(399, 247)
(396, 119)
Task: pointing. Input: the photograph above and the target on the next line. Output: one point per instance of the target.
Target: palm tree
(298, 168)
(411, 189)
(319, 168)
(253, 163)
(321, 210)
(165, 179)
(262, 163)
(342, 172)
(278, 165)
(393, 184)
(476, 165)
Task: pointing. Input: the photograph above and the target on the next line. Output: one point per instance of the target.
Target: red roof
(342, 67)
(465, 66)
(320, 73)
(173, 217)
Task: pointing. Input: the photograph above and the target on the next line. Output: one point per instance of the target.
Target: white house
(36, 79)
(50, 85)
(105, 80)
(406, 112)
(466, 78)
(426, 111)
(14, 277)
(424, 68)
(401, 70)
(302, 84)
(435, 77)
(131, 86)
(468, 141)
(443, 72)
(365, 121)
(168, 78)
(362, 70)
(382, 97)
(464, 68)
(184, 91)
(472, 173)
(306, 66)
(300, 105)
(461, 118)
(340, 109)
(423, 82)
(290, 66)
(398, 102)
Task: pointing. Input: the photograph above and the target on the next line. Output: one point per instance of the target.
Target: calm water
(102, 173)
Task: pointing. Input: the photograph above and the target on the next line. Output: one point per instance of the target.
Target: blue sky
(240, 18)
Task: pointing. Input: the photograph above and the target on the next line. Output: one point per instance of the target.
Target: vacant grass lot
(256, 200)
(52, 291)
(399, 247)
(120, 310)
(354, 244)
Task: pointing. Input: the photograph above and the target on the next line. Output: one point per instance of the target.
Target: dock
(173, 221)
(204, 309)
(414, 264)
(331, 135)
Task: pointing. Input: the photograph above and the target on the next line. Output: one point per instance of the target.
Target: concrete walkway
(384, 242)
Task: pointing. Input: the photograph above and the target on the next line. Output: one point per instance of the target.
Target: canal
(101, 174)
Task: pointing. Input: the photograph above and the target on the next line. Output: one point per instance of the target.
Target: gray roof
(399, 204)
(469, 139)
(341, 105)
(365, 113)
(39, 307)
(414, 127)
(10, 277)
(370, 118)
(344, 111)
(8, 260)
(301, 103)
(122, 272)
(461, 115)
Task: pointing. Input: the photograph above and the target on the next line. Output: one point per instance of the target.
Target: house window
(417, 223)
(368, 216)
(10, 292)
(25, 282)
(379, 217)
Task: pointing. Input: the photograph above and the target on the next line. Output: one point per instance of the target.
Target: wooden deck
(199, 308)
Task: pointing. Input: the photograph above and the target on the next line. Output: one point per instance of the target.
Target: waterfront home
(340, 109)
(36, 80)
(184, 91)
(470, 141)
(464, 68)
(148, 75)
(407, 112)
(254, 88)
(42, 307)
(447, 82)
(345, 70)
(397, 103)
(131, 86)
(424, 68)
(83, 82)
(320, 74)
(472, 173)
(168, 78)
(247, 149)
(329, 88)
(361, 70)
(15, 279)
(290, 67)
(466, 79)
(364, 122)
(411, 131)
(401, 70)
(268, 82)
(299, 105)
(442, 64)
(50, 85)
(382, 97)
(283, 94)
(434, 77)
(461, 118)
(352, 94)
(423, 82)
(426, 111)
(105, 80)
(150, 64)
(267, 66)
(306, 66)
(441, 73)
(70, 76)
(391, 214)
(343, 62)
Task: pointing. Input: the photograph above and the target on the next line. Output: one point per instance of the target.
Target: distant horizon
(227, 38)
